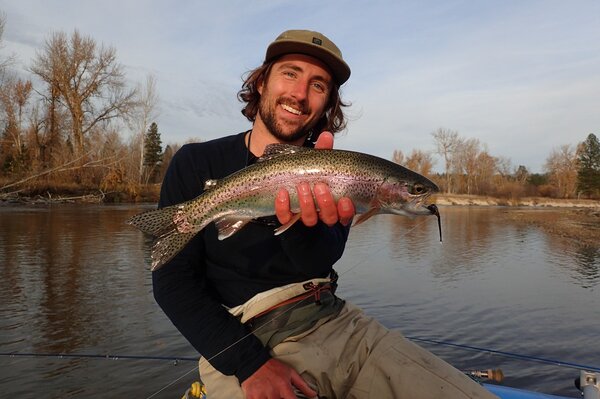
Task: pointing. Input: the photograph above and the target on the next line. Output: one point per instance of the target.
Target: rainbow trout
(375, 186)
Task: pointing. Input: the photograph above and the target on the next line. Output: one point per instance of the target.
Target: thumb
(324, 141)
(302, 386)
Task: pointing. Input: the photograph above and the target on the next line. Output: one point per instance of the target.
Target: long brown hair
(333, 119)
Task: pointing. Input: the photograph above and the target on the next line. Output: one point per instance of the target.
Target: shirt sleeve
(181, 290)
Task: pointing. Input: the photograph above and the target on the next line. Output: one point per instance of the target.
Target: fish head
(407, 196)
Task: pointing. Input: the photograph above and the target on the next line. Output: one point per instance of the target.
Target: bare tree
(398, 157)
(561, 166)
(484, 172)
(419, 161)
(145, 111)
(447, 142)
(14, 96)
(88, 80)
(466, 161)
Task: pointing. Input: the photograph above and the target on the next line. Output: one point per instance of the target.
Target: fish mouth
(433, 209)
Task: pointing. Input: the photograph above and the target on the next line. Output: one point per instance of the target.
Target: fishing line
(224, 350)
(182, 358)
(276, 317)
(378, 247)
(173, 382)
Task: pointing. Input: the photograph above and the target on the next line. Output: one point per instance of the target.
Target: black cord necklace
(250, 157)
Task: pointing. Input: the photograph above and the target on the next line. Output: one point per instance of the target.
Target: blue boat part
(513, 393)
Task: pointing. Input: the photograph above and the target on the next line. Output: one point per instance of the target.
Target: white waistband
(267, 299)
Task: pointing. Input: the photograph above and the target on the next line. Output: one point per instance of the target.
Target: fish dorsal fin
(228, 226)
(210, 184)
(276, 150)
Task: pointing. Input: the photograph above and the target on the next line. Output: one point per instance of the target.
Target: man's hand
(329, 212)
(275, 380)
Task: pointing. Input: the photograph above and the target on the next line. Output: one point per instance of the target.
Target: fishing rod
(509, 354)
(177, 359)
(58, 355)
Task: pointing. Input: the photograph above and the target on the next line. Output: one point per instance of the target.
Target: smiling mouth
(291, 109)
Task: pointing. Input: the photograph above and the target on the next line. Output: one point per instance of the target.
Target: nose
(300, 90)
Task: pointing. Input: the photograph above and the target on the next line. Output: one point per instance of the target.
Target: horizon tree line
(470, 168)
(71, 132)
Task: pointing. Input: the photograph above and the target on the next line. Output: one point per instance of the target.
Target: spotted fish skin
(375, 185)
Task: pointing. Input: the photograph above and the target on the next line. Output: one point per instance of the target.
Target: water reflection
(76, 279)
(473, 237)
(60, 263)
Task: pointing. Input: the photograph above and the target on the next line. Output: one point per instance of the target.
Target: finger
(328, 211)
(346, 211)
(307, 204)
(324, 141)
(282, 206)
(299, 383)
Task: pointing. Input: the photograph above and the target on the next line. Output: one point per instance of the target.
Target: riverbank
(41, 194)
(578, 221)
(537, 202)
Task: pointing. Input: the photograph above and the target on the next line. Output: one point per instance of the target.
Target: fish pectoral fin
(228, 226)
(289, 224)
(365, 216)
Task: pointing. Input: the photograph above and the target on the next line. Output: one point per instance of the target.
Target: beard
(279, 129)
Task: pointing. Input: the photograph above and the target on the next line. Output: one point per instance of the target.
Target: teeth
(290, 109)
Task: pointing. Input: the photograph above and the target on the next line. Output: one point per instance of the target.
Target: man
(261, 308)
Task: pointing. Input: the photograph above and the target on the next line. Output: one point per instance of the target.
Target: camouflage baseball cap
(314, 44)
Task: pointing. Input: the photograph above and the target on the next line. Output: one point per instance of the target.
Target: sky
(520, 76)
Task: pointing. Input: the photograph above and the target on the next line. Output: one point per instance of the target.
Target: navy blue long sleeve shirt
(208, 273)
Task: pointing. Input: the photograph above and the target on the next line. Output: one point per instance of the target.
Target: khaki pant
(353, 356)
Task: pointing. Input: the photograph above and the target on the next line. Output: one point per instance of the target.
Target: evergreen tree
(588, 174)
(152, 151)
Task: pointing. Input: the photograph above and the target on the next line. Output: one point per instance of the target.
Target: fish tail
(167, 246)
(157, 222)
(162, 224)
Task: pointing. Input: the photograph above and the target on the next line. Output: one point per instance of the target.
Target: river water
(74, 279)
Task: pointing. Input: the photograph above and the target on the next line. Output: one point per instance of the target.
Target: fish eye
(418, 189)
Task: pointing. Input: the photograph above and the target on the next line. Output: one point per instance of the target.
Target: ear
(259, 86)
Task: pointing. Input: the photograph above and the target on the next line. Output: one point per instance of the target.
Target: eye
(320, 87)
(418, 189)
(289, 74)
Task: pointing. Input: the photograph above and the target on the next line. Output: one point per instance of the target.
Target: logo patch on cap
(318, 41)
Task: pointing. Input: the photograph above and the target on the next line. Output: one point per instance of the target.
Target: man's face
(294, 96)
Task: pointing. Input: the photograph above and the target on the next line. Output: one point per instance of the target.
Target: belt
(315, 293)
(295, 315)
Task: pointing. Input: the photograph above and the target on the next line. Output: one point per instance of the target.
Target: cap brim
(339, 69)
